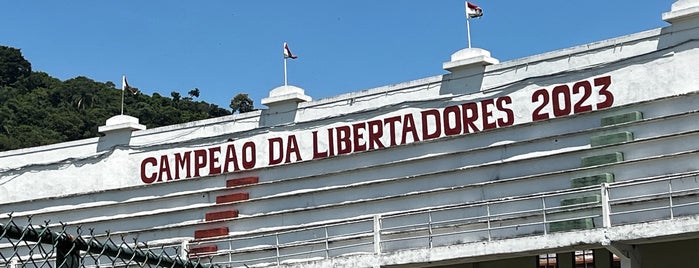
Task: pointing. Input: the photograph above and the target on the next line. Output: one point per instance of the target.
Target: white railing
(602, 206)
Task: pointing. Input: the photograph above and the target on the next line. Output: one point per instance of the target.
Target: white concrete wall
(641, 67)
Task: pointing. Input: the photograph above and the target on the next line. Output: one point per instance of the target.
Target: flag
(287, 52)
(125, 86)
(473, 11)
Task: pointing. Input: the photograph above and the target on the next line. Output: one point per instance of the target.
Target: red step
(242, 181)
(203, 249)
(228, 214)
(210, 232)
(232, 198)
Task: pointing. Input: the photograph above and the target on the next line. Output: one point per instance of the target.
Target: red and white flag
(125, 86)
(287, 52)
(473, 11)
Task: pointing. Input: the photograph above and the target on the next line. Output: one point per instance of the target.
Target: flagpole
(468, 30)
(122, 95)
(285, 71)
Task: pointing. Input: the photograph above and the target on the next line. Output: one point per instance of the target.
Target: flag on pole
(125, 86)
(287, 52)
(473, 11)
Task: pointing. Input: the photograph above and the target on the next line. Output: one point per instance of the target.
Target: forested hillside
(37, 109)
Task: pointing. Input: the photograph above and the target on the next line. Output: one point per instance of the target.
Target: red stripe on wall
(242, 181)
(228, 214)
(232, 198)
(210, 232)
(203, 249)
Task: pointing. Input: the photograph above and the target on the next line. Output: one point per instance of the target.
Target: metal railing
(602, 206)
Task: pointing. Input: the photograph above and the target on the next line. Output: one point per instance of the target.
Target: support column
(565, 260)
(603, 258)
(629, 255)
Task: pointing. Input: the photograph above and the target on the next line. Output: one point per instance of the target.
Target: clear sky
(225, 47)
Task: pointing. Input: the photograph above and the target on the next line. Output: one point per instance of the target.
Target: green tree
(13, 66)
(175, 96)
(194, 93)
(37, 109)
(242, 103)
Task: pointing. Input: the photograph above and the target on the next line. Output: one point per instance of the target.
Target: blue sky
(227, 47)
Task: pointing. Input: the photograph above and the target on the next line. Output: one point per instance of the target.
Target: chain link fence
(43, 246)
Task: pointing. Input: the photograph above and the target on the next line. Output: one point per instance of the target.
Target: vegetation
(37, 109)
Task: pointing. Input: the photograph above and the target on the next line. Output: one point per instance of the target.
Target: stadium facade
(581, 157)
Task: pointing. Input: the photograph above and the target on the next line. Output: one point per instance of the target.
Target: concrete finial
(121, 123)
(286, 94)
(469, 57)
(681, 10)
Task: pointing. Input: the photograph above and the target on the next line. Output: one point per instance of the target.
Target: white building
(592, 149)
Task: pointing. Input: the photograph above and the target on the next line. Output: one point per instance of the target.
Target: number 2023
(561, 100)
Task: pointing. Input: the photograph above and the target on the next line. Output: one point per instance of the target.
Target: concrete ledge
(622, 118)
(615, 138)
(602, 159)
(592, 180)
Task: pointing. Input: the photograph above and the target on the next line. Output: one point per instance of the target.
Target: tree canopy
(37, 109)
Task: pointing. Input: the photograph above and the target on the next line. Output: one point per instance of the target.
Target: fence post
(184, 246)
(606, 209)
(377, 234)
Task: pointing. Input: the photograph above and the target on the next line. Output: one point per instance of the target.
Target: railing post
(487, 208)
(672, 213)
(276, 236)
(327, 244)
(606, 209)
(429, 227)
(377, 234)
(543, 212)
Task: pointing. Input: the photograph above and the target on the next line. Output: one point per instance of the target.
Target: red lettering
(316, 153)
(231, 157)
(292, 146)
(153, 176)
(249, 155)
(343, 140)
(182, 162)
(409, 127)
(510, 115)
(164, 168)
(278, 142)
(391, 121)
(469, 113)
(487, 113)
(434, 113)
(214, 166)
(449, 113)
(375, 128)
(358, 137)
(331, 142)
(199, 161)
